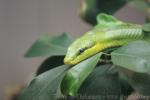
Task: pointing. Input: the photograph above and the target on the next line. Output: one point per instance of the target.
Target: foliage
(77, 74)
(134, 56)
(128, 68)
(50, 46)
(44, 86)
(134, 66)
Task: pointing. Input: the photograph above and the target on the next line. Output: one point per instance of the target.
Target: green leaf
(139, 81)
(50, 63)
(44, 86)
(102, 84)
(50, 46)
(126, 88)
(135, 56)
(77, 74)
(64, 40)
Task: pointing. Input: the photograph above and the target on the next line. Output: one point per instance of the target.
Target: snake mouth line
(88, 53)
(99, 47)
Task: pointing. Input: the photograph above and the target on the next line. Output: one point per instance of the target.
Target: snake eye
(81, 50)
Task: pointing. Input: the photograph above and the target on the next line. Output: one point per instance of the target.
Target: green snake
(109, 32)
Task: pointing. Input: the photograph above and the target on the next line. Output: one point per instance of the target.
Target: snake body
(109, 32)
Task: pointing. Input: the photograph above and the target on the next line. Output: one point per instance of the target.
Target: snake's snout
(68, 60)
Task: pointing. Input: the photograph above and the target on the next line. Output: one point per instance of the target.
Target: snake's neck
(133, 32)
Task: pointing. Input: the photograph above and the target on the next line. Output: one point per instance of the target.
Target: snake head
(84, 47)
(77, 51)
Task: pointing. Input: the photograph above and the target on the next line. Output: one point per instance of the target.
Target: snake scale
(109, 32)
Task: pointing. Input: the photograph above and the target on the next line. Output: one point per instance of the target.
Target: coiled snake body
(109, 32)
